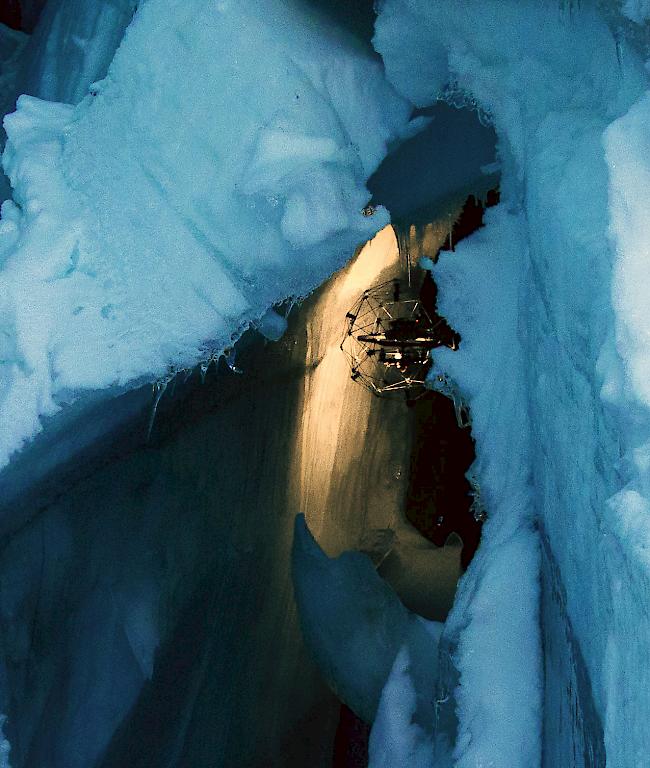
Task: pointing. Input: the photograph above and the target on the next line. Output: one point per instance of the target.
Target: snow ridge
(535, 72)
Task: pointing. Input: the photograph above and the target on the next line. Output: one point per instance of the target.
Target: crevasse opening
(184, 180)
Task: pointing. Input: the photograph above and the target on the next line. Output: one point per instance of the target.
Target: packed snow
(151, 223)
(166, 196)
(637, 10)
(481, 292)
(532, 68)
(395, 738)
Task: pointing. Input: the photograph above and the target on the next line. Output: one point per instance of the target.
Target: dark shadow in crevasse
(439, 499)
(355, 16)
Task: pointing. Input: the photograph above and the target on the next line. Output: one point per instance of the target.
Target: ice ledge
(151, 223)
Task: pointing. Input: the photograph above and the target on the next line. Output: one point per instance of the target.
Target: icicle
(462, 412)
(447, 388)
(438, 704)
(459, 98)
(569, 7)
(477, 509)
(410, 242)
(203, 369)
(378, 544)
(231, 360)
(159, 390)
(292, 303)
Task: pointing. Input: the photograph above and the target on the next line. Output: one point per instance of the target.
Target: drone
(389, 335)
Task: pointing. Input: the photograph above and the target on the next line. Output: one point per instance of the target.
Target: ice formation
(151, 223)
(531, 67)
(396, 739)
(356, 628)
(177, 172)
(637, 10)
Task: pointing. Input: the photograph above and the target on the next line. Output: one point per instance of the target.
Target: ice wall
(12, 47)
(553, 80)
(12, 44)
(151, 223)
(30, 11)
(71, 46)
(636, 10)
(146, 611)
(482, 293)
(159, 216)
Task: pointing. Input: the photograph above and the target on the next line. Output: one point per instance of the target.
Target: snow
(158, 218)
(357, 631)
(395, 740)
(159, 210)
(637, 10)
(480, 292)
(566, 95)
(71, 46)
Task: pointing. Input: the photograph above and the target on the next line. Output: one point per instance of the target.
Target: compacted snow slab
(568, 122)
(154, 221)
